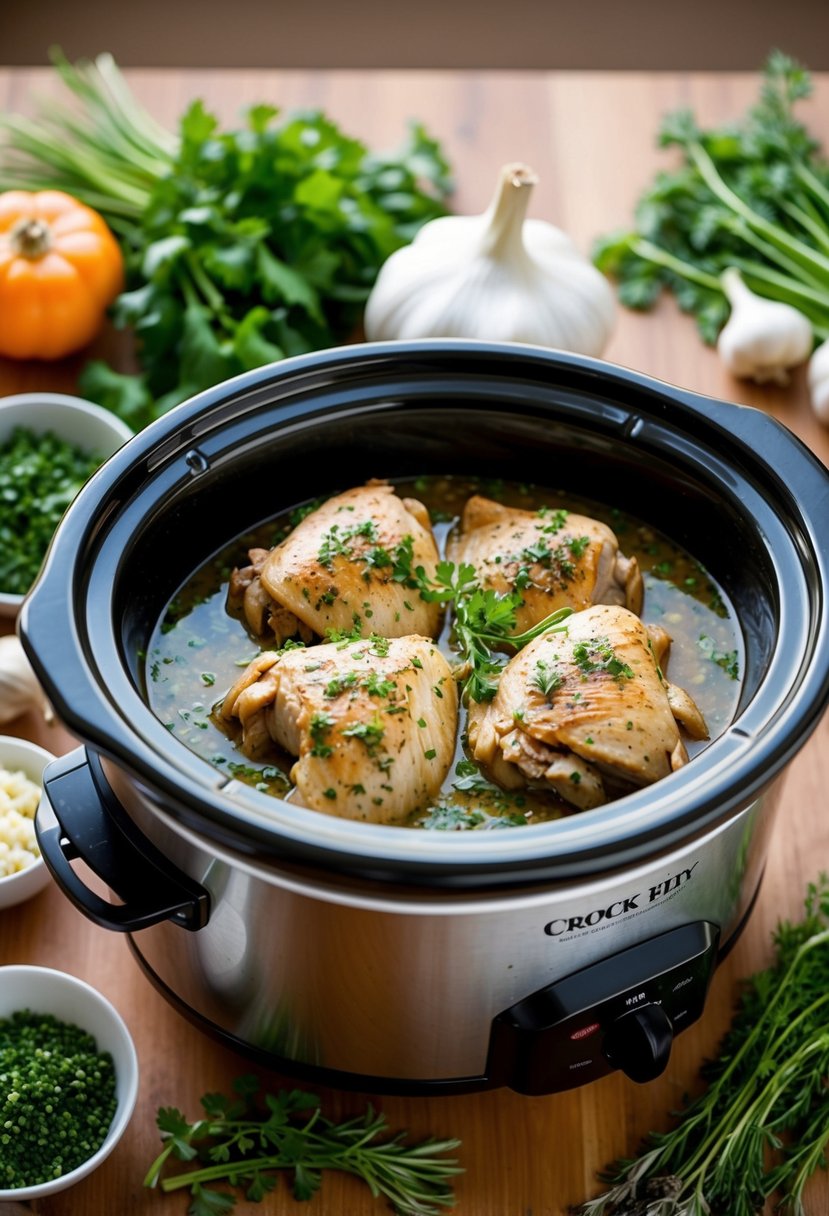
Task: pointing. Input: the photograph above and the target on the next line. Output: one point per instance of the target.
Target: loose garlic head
(497, 277)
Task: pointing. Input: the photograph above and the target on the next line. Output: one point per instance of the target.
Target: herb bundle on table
(243, 1142)
(242, 246)
(761, 1127)
(752, 197)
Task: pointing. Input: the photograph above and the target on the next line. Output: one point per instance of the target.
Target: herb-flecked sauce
(198, 650)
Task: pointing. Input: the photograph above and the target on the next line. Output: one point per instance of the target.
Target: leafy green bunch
(761, 1127)
(242, 246)
(258, 244)
(752, 195)
(244, 1142)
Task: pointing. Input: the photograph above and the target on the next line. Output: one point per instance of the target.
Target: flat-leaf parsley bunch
(242, 246)
(752, 195)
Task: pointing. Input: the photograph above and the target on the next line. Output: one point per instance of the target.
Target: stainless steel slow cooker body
(394, 959)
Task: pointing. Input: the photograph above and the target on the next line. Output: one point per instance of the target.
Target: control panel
(622, 1012)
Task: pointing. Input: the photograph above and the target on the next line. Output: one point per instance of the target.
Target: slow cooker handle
(79, 817)
(795, 465)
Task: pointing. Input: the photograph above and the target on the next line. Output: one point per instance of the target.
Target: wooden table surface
(591, 139)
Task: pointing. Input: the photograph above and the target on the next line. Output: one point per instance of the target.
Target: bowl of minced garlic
(22, 870)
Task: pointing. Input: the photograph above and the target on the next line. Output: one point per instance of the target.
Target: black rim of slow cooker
(72, 627)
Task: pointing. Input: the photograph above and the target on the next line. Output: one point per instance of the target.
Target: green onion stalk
(110, 156)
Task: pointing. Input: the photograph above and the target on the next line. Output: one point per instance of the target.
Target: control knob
(639, 1042)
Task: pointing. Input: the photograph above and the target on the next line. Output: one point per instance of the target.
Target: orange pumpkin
(60, 268)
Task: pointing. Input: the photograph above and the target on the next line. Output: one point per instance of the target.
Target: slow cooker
(384, 958)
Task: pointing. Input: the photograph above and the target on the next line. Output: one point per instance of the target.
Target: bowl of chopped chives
(68, 1080)
(50, 445)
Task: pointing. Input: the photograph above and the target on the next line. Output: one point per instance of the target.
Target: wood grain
(590, 137)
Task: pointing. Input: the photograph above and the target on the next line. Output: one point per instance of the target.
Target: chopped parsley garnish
(578, 544)
(319, 727)
(369, 733)
(597, 655)
(377, 686)
(554, 518)
(341, 684)
(336, 542)
(460, 819)
(403, 557)
(541, 553)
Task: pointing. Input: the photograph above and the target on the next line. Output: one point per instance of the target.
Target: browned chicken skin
(585, 710)
(344, 566)
(556, 559)
(373, 723)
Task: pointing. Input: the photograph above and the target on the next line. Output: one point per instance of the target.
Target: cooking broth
(198, 649)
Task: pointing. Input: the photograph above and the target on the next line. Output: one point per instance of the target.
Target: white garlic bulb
(497, 277)
(20, 690)
(762, 338)
(818, 378)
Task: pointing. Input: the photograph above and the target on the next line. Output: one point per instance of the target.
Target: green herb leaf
(287, 212)
(761, 1126)
(753, 195)
(289, 1132)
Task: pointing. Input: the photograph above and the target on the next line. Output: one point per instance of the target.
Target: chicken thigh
(373, 723)
(347, 565)
(554, 558)
(585, 710)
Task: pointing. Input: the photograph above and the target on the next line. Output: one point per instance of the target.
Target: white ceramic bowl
(19, 754)
(80, 422)
(43, 990)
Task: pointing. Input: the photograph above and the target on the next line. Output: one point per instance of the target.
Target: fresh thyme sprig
(762, 1125)
(483, 620)
(244, 1146)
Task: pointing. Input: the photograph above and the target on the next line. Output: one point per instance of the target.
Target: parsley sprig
(761, 1127)
(483, 621)
(244, 1144)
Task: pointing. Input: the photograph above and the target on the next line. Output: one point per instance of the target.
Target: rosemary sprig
(245, 1144)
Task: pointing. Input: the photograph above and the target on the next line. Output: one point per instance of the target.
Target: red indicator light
(585, 1031)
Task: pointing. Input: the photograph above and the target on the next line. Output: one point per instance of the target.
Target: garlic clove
(20, 690)
(762, 338)
(496, 277)
(818, 379)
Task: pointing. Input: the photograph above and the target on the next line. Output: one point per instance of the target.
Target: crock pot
(400, 960)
